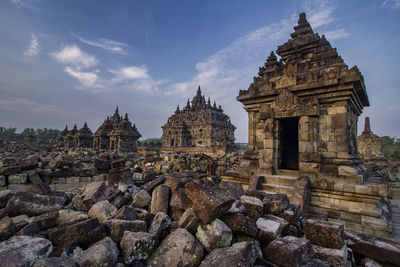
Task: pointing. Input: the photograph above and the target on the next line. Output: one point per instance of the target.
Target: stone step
(291, 173)
(281, 189)
(280, 180)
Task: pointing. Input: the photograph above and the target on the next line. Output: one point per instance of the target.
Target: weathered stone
(368, 262)
(289, 251)
(55, 262)
(214, 235)
(144, 215)
(253, 205)
(137, 246)
(30, 229)
(24, 250)
(235, 188)
(160, 199)
(189, 220)
(3, 181)
(275, 203)
(29, 162)
(269, 229)
(84, 232)
(33, 204)
(241, 254)
(118, 227)
(8, 228)
(336, 257)
(5, 196)
(141, 199)
(126, 213)
(149, 186)
(241, 224)
(302, 195)
(41, 189)
(209, 201)
(324, 234)
(160, 224)
(102, 210)
(94, 192)
(381, 249)
(20, 178)
(103, 253)
(120, 175)
(70, 215)
(256, 182)
(179, 248)
(10, 170)
(46, 220)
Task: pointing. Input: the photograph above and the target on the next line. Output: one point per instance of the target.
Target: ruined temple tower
(303, 109)
(369, 144)
(199, 127)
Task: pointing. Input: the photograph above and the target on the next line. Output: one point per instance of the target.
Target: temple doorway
(289, 143)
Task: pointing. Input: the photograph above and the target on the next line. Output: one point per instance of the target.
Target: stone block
(118, 227)
(160, 199)
(137, 246)
(269, 229)
(20, 178)
(214, 235)
(103, 253)
(253, 205)
(189, 220)
(289, 251)
(275, 203)
(102, 210)
(240, 224)
(325, 234)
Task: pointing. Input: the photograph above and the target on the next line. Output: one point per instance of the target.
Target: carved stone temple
(369, 144)
(199, 127)
(303, 109)
(116, 133)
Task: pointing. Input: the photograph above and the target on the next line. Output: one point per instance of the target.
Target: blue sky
(70, 61)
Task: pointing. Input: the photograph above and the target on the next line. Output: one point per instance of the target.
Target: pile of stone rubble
(177, 219)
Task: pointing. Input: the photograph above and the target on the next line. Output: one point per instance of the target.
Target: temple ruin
(116, 133)
(369, 144)
(303, 110)
(199, 127)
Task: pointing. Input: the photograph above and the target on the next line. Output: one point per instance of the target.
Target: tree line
(42, 135)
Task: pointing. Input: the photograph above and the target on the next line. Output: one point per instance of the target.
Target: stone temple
(369, 144)
(116, 133)
(303, 110)
(199, 127)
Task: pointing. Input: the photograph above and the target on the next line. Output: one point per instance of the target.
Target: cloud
(393, 4)
(18, 3)
(87, 79)
(106, 44)
(130, 73)
(34, 47)
(336, 34)
(23, 104)
(319, 13)
(73, 55)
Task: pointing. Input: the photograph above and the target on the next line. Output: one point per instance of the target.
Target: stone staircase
(282, 184)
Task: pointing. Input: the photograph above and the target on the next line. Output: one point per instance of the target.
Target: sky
(70, 61)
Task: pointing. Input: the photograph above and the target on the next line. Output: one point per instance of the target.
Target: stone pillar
(309, 156)
(252, 131)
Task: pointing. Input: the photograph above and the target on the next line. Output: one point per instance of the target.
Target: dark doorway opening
(289, 143)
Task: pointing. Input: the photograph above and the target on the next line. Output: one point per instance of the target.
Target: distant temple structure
(303, 109)
(116, 133)
(199, 127)
(369, 144)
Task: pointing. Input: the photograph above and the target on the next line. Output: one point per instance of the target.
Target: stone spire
(85, 125)
(303, 27)
(208, 102)
(271, 59)
(198, 92)
(177, 109)
(116, 111)
(215, 104)
(188, 104)
(126, 117)
(367, 126)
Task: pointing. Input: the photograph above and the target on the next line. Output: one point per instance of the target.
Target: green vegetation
(241, 147)
(390, 147)
(151, 142)
(42, 135)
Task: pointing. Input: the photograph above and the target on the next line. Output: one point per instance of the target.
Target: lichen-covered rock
(209, 201)
(137, 246)
(118, 227)
(241, 224)
(160, 199)
(241, 254)
(24, 250)
(253, 205)
(324, 234)
(160, 224)
(214, 235)
(381, 249)
(19, 178)
(55, 262)
(141, 199)
(33, 204)
(84, 233)
(102, 210)
(289, 251)
(179, 248)
(103, 253)
(269, 229)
